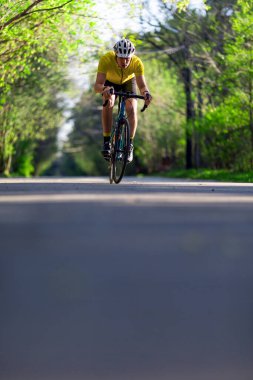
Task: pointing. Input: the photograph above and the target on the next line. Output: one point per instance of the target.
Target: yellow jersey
(115, 74)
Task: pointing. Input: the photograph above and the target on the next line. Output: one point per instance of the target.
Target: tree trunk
(251, 115)
(8, 165)
(187, 77)
(1, 154)
(197, 154)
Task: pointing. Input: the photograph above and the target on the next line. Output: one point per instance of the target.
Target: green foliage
(24, 160)
(159, 139)
(227, 125)
(28, 29)
(31, 111)
(180, 4)
(214, 175)
(215, 49)
(36, 40)
(82, 150)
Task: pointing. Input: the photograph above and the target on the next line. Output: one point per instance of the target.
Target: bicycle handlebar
(126, 95)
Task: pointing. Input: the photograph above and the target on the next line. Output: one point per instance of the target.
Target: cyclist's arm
(100, 83)
(141, 83)
(99, 86)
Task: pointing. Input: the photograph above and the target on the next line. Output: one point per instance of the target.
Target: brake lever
(144, 107)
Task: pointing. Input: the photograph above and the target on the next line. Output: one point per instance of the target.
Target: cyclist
(121, 70)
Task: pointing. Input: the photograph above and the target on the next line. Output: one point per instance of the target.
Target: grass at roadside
(206, 174)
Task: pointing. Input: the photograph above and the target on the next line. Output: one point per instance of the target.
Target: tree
(174, 36)
(28, 29)
(186, 40)
(227, 123)
(159, 141)
(30, 115)
(36, 39)
(240, 60)
(81, 153)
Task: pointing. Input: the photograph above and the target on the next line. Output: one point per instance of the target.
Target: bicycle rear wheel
(120, 153)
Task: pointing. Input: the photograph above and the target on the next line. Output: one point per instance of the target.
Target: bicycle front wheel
(121, 147)
(112, 158)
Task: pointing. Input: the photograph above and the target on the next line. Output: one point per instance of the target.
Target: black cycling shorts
(128, 86)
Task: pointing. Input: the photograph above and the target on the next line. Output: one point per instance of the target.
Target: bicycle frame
(121, 108)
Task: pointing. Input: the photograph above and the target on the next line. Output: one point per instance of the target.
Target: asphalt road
(149, 279)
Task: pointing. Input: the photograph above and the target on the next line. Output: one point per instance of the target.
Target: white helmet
(124, 48)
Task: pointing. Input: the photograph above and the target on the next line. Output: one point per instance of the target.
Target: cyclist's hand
(147, 98)
(107, 92)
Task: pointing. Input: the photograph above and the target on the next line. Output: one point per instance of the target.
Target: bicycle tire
(111, 166)
(120, 152)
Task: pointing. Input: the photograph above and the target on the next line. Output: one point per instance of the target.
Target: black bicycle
(120, 137)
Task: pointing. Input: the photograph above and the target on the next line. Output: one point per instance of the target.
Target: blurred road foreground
(151, 279)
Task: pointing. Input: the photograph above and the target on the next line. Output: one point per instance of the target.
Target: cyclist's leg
(107, 116)
(107, 113)
(107, 125)
(131, 106)
(131, 109)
